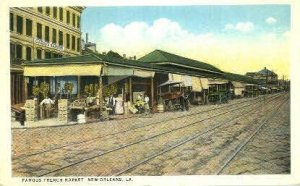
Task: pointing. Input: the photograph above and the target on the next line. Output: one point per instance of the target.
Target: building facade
(264, 77)
(41, 33)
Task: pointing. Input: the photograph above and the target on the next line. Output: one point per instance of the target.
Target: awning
(169, 82)
(113, 79)
(185, 79)
(196, 84)
(143, 73)
(117, 71)
(217, 81)
(204, 83)
(238, 84)
(123, 71)
(175, 77)
(239, 91)
(63, 70)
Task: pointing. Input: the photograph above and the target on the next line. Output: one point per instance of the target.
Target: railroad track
(242, 145)
(134, 127)
(194, 137)
(155, 136)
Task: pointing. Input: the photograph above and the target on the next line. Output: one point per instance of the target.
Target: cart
(173, 96)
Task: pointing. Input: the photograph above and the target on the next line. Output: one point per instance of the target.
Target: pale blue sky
(236, 38)
(195, 19)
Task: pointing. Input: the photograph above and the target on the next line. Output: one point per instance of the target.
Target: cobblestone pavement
(46, 138)
(269, 151)
(206, 154)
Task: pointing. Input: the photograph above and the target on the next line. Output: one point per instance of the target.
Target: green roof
(155, 67)
(240, 78)
(159, 57)
(117, 61)
(65, 60)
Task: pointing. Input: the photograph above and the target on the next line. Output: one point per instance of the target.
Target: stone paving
(28, 141)
(269, 151)
(205, 155)
(46, 138)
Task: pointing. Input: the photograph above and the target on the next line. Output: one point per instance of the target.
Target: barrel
(81, 118)
(160, 108)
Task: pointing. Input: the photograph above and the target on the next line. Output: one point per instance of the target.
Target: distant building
(264, 76)
(88, 46)
(41, 33)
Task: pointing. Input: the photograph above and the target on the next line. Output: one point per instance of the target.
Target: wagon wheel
(166, 105)
(170, 105)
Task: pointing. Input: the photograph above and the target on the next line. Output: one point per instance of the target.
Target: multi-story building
(41, 33)
(264, 77)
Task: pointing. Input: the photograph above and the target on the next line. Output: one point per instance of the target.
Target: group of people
(142, 105)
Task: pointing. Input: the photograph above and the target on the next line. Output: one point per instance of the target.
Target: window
(73, 42)
(40, 9)
(61, 14)
(78, 44)
(55, 55)
(68, 40)
(12, 51)
(78, 21)
(28, 53)
(47, 10)
(55, 12)
(61, 38)
(39, 53)
(19, 52)
(20, 24)
(11, 24)
(47, 55)
(46, 33)
(28, 27)
(68, 17)
(73, 19)
(53, 35)
(39, 31)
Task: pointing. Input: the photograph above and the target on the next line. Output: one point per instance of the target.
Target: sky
(234, 38)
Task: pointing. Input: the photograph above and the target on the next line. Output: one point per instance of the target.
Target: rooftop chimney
(86, 37)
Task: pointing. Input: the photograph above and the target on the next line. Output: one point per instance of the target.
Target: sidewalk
(53, 122)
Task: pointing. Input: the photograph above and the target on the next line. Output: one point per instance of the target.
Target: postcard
(150, 93)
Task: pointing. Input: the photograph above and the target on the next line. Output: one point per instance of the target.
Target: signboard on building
(48, 44)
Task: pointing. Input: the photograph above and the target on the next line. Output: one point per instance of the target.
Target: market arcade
(81, 85)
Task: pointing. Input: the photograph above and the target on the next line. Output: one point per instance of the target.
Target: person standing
(146, 100)
(47, 103)
(111, 103)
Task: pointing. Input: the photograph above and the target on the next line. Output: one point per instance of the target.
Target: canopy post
(26, 80)
(78, 86)
(100, 91)
(130, 89)
(152, 91)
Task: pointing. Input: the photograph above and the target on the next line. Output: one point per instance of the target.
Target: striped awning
(63, 70)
